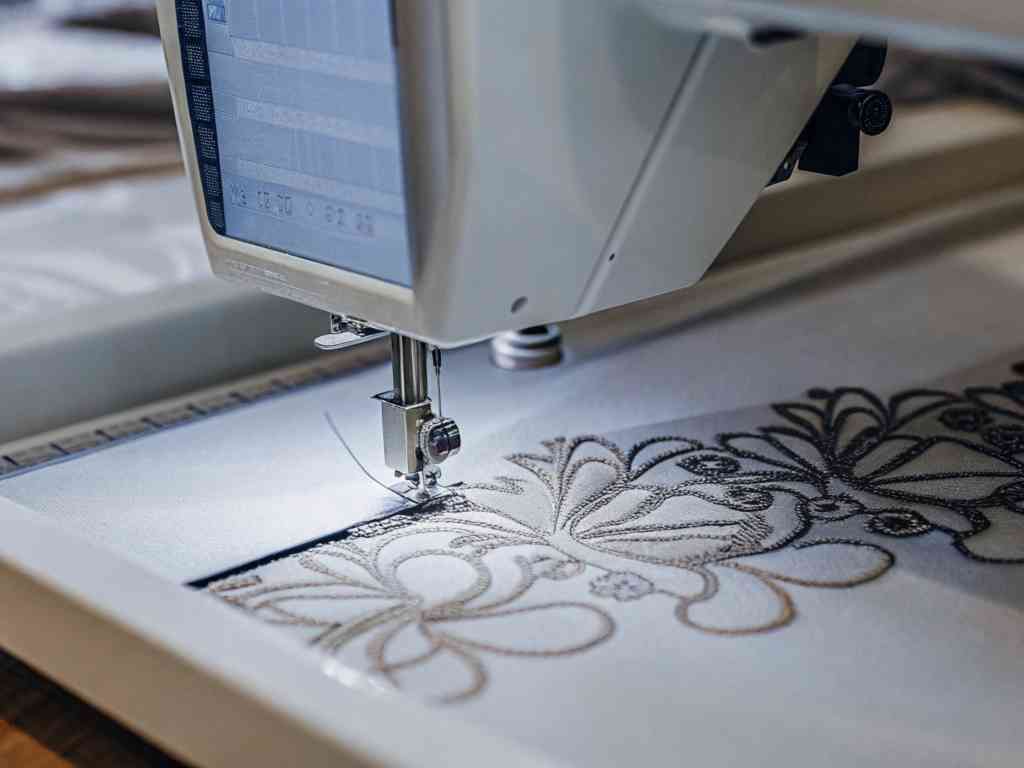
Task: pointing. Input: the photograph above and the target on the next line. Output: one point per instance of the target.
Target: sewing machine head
(447, 170)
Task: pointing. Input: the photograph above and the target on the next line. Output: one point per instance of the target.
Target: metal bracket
(401, 431)
(347, 332)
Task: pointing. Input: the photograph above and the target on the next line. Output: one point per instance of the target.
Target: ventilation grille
(190, 18)
(202, 103)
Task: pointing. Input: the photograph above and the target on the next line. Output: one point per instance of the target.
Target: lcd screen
(305, 103)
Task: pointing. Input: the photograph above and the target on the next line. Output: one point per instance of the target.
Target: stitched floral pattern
(359, 592)
(719, 530)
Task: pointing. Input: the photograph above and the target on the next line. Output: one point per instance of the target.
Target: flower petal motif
(736, 601)
(899, 523)
(443, 673)
(462, 641)
(554, 568)
(775, 454)
(1005, 401)
(623, 586)
(917, 406)
(940, 469)
(617, 510)
(747, 499)
(711, 465)
(529, 518)
(1008, 438)
(965, 419)
(650, 461)
(424, 613)
(719, 531)
(849, 419)
(747, 596)
(562, 628)
(829, 563)
(679, 531)
(833, 508)
(1012, 496)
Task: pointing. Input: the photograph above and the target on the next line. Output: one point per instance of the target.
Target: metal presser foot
(422, 487)
(416, 440)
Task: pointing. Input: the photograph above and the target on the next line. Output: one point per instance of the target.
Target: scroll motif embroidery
(719, 531)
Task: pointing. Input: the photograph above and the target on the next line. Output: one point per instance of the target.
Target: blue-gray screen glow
(306, 104)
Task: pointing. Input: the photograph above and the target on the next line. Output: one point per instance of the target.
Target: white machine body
(538, 160)
(558, 156)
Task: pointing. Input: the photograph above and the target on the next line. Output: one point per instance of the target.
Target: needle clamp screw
(440, 439)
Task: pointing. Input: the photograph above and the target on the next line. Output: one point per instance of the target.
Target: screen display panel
(303, 108)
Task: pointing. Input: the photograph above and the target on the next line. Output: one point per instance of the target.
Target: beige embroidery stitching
(364, 567)
(406, 608)
(669, 519)
(693, 543)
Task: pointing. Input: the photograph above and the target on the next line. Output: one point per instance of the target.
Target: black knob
(439, 439)
(868, 110)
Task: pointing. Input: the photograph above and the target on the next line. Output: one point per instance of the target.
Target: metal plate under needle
(331, 342)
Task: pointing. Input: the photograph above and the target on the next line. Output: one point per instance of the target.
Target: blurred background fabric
(93, 204)
(913, 78)
(83, 95)
(106, 296)
(101, 249)
(92, 195)
(89, 246)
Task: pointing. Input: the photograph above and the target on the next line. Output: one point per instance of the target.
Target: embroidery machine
(576, 155)
(447, 171)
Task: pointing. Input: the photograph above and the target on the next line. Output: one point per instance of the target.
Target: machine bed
(513, 635)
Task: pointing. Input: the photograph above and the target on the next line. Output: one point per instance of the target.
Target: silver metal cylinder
(409, 369)
(536, 347)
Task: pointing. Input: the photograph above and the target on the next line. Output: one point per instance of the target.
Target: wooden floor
(44, 726)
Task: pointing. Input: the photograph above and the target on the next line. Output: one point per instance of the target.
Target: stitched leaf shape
(1002, 541)
(774, 451)
(912, 407)
(806, 418)
(446, 675)
(998, 400)
(884, 455)
(678, 513)
(586, 480)
(822, 563)
(438, 577)
(321, 608)
(544, 629)
(944, 469)
(651, 461)
(522, 513)
(856, 431)
(854, 399)
(740, 603)
(621, 508)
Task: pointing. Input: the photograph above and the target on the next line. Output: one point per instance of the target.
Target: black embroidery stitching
(839, 457)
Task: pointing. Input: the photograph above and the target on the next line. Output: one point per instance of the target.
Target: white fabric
(885, 651)
(194, 501)
(107, 302)
(91, 246)
(738, 621)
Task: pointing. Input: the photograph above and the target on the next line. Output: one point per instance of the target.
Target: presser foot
(422, 487)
